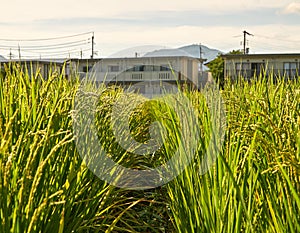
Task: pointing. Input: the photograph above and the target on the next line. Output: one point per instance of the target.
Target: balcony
(289, 74)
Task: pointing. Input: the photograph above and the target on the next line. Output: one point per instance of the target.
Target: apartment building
(250, 65)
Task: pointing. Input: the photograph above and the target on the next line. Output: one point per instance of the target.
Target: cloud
(168, 18)
(23, 10)
(119, 24)
(292, 8)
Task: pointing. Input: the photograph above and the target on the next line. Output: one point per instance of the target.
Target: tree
(216, 67)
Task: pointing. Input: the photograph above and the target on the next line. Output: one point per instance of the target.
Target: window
(243, 69)
(164, 68)
(242, 66)
(86, 68)
(246, 66)
(46, 71)
(156, 68)
(257, 69)
(138, 68)
(148, 68)
(113, 68)
(290, 69)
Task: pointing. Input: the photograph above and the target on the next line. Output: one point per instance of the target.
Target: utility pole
(200, 74)
(200, 57)
(244, 44)
(19, 49)
(92, 56)
(200, 51)
(10, 54)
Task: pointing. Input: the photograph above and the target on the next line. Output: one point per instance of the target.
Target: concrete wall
(126, 69)
(269, 63)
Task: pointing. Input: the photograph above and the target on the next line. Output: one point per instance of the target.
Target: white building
(285, 65)
(146, 73)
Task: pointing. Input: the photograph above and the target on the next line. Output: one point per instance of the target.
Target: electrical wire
(43, 49)
(36, 48)
(54, 48)
(44, 46)
(275, 38)
(49, 38)
(51, 52)
(55, 55)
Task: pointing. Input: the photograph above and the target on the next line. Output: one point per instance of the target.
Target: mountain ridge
(2, 58)
(187, 50)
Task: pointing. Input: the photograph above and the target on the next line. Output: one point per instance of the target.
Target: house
(2, 58)
(145, 73)
(247, 66)
(37, 66)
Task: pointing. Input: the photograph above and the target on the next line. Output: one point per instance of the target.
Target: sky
(120, 24)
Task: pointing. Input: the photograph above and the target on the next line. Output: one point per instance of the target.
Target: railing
(250, 73)
(137, 76)
(164, 76)
(152, 75)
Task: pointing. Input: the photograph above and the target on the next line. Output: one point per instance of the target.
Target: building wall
(147, 75)
(127, 69)
(36, 67)
(248, 66)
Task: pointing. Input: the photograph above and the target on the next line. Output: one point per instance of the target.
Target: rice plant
(254, 185)
(45, 186)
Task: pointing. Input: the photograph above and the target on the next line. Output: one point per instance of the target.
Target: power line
(42, 49)
(272, 46)
(59, 54)
(60, 48)
(54, 48)
(50, 52)
(276, 38)
(49, 38)
(45, 46)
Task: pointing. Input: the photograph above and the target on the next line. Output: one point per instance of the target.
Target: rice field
(45, 186)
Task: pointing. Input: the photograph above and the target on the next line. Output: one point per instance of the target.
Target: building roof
(260, 55)
(2, 58)
(50, 60)
(93, 60)
(137, 58)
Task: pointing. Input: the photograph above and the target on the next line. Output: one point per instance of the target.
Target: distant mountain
(189, 50)
(2, 58)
